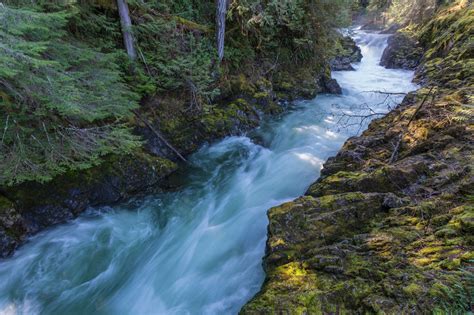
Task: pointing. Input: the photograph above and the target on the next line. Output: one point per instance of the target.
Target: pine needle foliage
(293, 30)
(64, 105)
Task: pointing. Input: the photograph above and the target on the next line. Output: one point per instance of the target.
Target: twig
(5, 129)
(394, 155)
(274, 65)
(144, 61)
(195, 103)
(419, 107)
(382, 92)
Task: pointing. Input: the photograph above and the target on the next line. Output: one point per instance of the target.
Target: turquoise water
(199, 250)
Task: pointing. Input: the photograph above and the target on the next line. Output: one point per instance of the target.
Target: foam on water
(199, 250)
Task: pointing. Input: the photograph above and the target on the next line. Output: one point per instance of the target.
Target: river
(198, 250)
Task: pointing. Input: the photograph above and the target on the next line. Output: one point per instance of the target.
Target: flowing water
(199, 250)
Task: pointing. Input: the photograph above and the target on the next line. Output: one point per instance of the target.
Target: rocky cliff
(388, 227)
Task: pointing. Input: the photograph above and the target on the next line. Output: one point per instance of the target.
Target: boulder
(402, 52)
(331, 86)
(347, 54)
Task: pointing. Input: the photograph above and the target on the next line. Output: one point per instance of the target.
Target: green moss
(404, 233)
(190, 25)
(241, 84)
(446, 233)
(331, 201)
(413, 290)
(342, 175)
(286, 86)
(221, 121)
(263, 94)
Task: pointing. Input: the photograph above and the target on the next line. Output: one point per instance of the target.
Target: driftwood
(160, 136)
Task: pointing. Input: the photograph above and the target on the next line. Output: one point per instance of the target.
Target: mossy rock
(119, 177)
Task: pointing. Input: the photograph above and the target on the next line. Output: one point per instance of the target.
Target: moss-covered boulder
(346, 53)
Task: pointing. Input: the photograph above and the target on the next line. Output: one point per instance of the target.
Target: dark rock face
(391, 29)
(305, 83)
(347, 54)
(31, 207)
(331, 86)
(373, 25)
(402, 52)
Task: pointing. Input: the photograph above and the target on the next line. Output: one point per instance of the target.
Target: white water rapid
(199, 250)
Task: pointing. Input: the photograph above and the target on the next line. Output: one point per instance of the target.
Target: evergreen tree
(63, 104)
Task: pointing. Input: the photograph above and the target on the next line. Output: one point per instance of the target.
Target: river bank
(388, 226)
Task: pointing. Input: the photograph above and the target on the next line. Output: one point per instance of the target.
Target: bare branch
(5, 129)
(384, 92)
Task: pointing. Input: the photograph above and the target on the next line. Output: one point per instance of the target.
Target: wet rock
(347, 53)
(391, 29)
(402, 52)
(305, 83)
(373, 25)
(331, 86)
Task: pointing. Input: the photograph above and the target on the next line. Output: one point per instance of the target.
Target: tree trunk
(126, 24)
(220, 21)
